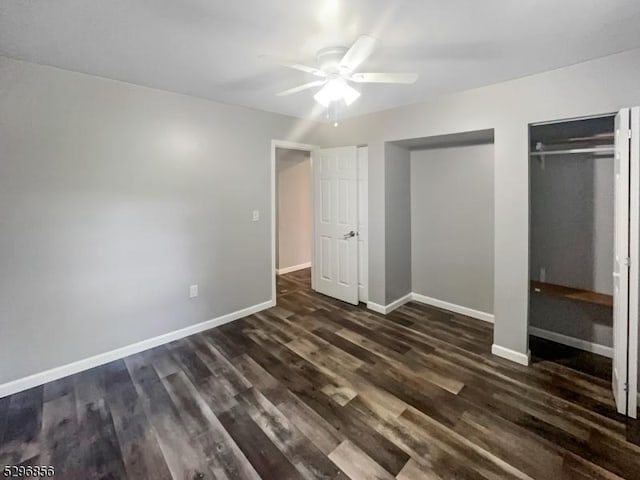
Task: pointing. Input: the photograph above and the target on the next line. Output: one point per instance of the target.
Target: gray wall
(398, 222)
(452, 225)
(599, 86)
(295, 207)
(114, 199)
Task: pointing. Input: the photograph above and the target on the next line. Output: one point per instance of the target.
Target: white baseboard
(452, 307)
(294, 268)
(434, 302)
(41, 378)
(512, 355)
(376, 307)
(385, 309)
(572, 342)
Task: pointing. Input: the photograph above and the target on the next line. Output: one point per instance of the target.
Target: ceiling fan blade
(407, 78)
(296, 66)
(358, 53)
(300, 88)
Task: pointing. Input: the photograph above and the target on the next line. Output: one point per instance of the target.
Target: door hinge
(626, 387)
(629, 134)
(626, 262)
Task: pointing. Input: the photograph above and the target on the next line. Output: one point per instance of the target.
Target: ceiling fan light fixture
(350, 94)
(336, 89)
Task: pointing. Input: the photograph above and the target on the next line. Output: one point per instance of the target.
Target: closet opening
(571, 222)
(440, 222)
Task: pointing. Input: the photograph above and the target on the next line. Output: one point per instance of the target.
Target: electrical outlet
(193, 291)
(543, 274)
(256, 215)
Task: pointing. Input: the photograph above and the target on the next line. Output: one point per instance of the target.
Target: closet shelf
(572, 293)
(607, 150)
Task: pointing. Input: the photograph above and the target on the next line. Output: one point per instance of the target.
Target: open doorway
(313, 190)
(572, 233)
(294, 218)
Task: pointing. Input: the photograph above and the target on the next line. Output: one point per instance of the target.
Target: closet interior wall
(571, 234)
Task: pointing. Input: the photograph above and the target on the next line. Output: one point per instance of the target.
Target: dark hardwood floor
(314, 388)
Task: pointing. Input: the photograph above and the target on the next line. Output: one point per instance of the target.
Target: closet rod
(597, 151)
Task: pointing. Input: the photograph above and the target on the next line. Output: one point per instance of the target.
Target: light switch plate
(193, 291)
(256, 215)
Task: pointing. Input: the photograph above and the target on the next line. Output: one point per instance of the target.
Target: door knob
(350, 234)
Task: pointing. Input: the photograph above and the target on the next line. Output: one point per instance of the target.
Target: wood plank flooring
(317, 389)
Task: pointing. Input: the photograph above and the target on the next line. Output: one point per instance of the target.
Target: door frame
(364, 237)
(274, 208)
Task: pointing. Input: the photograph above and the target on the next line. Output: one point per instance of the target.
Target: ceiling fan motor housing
(329, 58)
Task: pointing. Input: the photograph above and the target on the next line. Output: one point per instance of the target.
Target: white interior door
(336, 222)
(621, 261)
(634, 267)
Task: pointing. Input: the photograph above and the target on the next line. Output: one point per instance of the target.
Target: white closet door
(621, 262)
(336, 222)
(634, 268)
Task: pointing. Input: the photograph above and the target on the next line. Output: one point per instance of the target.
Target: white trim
(399, 302)
(572, 341)
(295, 146)
(512, 355)
(305, 147)
(376, 307)
(294, 268)
(452, 307)
(41, 378)
(416, 297)
(385, 309)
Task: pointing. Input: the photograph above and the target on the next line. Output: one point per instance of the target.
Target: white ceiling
(212, 48)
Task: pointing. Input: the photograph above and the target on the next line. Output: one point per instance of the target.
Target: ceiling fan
(337, 71)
